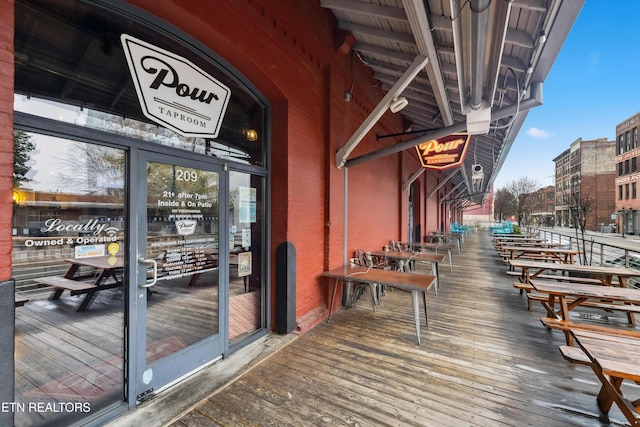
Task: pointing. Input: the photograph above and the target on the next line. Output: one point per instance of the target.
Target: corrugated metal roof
(514, 44)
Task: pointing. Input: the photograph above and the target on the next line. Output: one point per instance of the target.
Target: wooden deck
(485, 360)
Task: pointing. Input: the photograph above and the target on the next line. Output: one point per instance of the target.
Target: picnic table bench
(105, 268)
(614, 359)
(572, 295)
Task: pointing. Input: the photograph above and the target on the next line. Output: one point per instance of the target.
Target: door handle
(154, 264)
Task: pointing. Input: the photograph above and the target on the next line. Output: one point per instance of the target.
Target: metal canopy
(484, 58)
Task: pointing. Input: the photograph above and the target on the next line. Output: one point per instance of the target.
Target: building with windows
(540, 207)
(584, 184)
(627, 199)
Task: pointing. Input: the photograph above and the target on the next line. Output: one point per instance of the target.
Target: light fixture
(251, 135)
(398, 104)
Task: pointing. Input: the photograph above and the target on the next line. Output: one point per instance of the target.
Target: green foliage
(517, 229)
(22, 146)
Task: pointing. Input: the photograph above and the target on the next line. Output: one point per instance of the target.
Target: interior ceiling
(453, 60)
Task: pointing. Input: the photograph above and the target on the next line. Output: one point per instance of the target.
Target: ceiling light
(398, 104)
(251, 135)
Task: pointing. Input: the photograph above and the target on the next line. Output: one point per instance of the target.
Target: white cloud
(538, 133)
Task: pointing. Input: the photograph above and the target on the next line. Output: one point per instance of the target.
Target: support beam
(413, 177)
(535, 100)
(444, 181)
(418, 64)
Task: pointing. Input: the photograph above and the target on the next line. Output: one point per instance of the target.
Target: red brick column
(6, 134)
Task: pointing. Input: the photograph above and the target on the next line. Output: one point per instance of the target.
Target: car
(634, 264)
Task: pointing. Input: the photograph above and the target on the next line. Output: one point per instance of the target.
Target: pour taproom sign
(443, 153)
(174, 92)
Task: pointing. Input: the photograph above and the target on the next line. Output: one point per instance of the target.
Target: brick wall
(6, 135)
(290, 54)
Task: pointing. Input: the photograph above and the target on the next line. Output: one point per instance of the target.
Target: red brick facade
(6, 135)
(296, 58)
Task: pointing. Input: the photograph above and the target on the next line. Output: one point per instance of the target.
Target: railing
(599, 250)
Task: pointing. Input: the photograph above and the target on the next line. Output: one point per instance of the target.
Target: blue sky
(593, 85)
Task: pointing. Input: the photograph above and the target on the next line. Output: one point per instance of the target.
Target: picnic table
(604, 274)
(613, 359)
(411, 282)
(104, 268)
(565, 256)
(571, 295)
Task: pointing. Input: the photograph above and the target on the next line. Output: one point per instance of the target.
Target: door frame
(176, 366)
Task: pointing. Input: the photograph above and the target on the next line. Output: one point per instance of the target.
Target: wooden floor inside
(485, 360)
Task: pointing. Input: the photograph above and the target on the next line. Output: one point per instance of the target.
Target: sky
(593, 85)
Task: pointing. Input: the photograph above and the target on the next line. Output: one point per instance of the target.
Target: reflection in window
(68, 231)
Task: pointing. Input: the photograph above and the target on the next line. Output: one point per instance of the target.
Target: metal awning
(473, 66)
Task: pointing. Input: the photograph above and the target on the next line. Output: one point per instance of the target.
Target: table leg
(424, 301)
(434, 271)
(416, 312)
(605, 397)
(333, 298)
(450, 264)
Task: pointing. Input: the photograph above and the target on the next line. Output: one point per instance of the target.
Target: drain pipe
(346, 216)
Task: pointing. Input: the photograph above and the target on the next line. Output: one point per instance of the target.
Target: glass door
(179, 293)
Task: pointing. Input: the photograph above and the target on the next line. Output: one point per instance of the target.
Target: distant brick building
(626, 163)
(541, 206)
(585, 181)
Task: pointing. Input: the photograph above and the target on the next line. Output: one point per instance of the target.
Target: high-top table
(411, 282)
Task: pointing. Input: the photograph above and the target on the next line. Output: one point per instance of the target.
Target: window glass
(67, 260)
(55, 37)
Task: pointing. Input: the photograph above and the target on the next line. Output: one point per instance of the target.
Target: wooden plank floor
(485, 360)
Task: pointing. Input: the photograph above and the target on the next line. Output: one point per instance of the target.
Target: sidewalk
(629, 241)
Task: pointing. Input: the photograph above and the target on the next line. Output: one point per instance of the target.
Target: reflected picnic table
(105, 268)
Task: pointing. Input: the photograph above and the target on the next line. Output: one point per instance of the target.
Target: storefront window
(86, 239)
(68, 249)
(52, 37)
(246, 208)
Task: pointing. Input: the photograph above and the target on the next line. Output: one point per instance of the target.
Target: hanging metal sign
(443, 153)
(174, 92)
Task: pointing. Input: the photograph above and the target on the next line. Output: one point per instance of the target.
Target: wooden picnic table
(565, 256)
(411, 282)
(106, 267)
(571, 295)
(613, 359)
(605, 274)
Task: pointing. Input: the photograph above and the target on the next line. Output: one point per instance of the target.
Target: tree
(504, 204)
(520, 189)
(22, 146)
(580, 204)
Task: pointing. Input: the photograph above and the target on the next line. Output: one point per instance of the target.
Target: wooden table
(572, 295)
(613, 360)
(107, 267)
(432, 245)
(411, 282)
(437, 237)
(407, 257)
(532, 269)
(565, 256)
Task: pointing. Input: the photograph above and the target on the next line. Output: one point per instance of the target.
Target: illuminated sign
(174, 92)
(443, 153)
